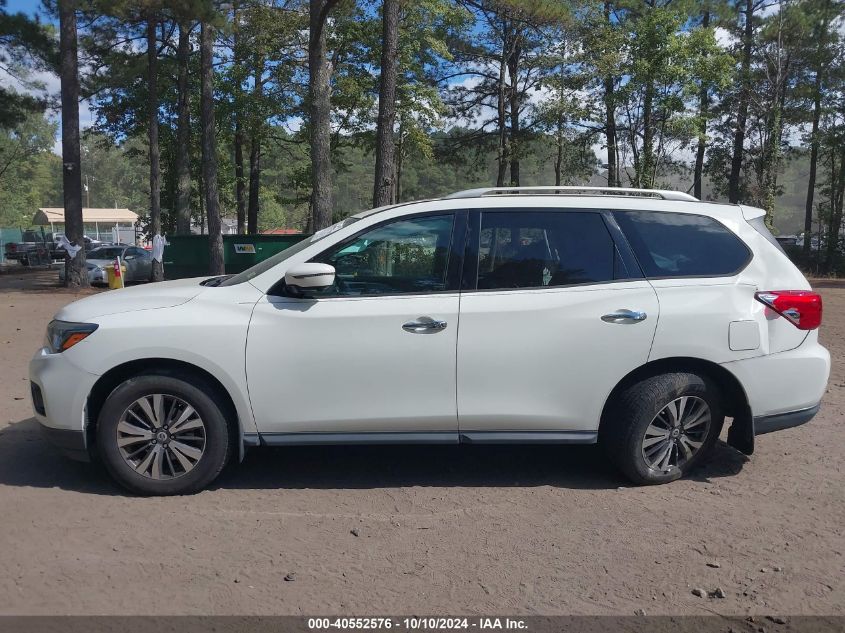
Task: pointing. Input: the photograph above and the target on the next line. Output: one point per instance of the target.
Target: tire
(188, 459)
(643, 419)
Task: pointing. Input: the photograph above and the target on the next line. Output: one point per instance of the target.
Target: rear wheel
(161, 435)
(659, 429)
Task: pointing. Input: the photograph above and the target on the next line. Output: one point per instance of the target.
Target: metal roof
(56, 215)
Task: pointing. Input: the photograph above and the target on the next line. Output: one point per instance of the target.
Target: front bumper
(60, 393)
(95, 275)
(70, 443)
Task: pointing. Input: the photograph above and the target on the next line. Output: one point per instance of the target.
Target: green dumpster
(187, 255)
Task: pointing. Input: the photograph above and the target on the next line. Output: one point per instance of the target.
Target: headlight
(62, 335)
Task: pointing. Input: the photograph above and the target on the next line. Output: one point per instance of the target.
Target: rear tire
(660, 428)
(158, 434)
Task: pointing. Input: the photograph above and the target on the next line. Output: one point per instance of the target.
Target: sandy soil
(440, 530)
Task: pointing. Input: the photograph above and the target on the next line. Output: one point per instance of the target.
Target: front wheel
(160, 435)
(658, 429)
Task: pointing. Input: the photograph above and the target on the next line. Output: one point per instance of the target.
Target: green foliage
(30, 174)
(26, 45)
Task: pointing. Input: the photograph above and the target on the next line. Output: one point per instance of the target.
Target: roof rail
(570, 190)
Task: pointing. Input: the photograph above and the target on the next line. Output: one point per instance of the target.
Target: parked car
(90, 244)
(787, 240)
(138, 263)
(34, 249)
(636, 319)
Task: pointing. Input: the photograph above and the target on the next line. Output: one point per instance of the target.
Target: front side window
(408, 255)
(536, 249)
(682, 245)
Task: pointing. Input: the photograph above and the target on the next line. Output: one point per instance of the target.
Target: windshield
(105, 253)
(267, 264)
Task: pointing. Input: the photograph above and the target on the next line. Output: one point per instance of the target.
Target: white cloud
(724, 38)
(46, 85)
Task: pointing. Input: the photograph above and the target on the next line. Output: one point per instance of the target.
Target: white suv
(636, 319)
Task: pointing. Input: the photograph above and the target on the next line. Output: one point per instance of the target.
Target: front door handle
(624, 316)
(424, 325)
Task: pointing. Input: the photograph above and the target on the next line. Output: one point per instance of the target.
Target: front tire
(161, 435)
(660, 428)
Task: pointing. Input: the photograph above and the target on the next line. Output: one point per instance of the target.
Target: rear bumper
(784, 384)
(780, 421)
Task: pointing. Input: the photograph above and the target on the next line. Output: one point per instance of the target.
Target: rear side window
(682, 245)
(535, 249)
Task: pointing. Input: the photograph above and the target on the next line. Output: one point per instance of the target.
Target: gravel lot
(420, 530)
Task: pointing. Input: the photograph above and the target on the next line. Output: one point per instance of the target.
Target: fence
(6, 236)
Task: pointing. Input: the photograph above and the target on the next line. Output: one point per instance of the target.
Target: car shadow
(27, 460)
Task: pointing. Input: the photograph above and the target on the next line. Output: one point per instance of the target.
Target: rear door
(554, 312)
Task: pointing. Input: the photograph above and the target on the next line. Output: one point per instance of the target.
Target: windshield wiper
(214, 281)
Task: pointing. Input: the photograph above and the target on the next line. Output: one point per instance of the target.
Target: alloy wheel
(676, 433)
(161, 436)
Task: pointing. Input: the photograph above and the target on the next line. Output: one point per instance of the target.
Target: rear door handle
(424, 325)
(624, 316)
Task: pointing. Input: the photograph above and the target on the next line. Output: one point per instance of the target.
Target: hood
(165, 294)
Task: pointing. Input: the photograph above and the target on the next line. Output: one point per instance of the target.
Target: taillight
(802, 308)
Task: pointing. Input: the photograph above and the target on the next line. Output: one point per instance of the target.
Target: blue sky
(30, 7)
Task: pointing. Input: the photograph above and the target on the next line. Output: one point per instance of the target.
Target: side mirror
(311, 276)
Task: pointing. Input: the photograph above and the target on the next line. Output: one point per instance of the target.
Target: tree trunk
(400, 149)
(240, 185)
(383, 185)
(836, 211)
(610, 118)
(183, 132)
(742, 111)
(254, 185)
(319, 107)
(255, 147)
(502, 153)
(152, 135)
(772, 155)
(703, 113)
(646, 172)
(513, 72)
(559, 156)
(76, 274)
(209, 152)
(814, 148)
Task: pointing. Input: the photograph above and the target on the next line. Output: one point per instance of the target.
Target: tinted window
(535, 249)
(682, 245)
(403, 256)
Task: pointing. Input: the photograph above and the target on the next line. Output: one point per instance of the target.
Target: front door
(372, 357)
(552, 319)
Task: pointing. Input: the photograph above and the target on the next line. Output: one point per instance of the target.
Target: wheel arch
(734, 398)
(120, 373)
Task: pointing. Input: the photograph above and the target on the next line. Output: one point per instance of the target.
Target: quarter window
(404, 256)
(682, 245)
(535, 249)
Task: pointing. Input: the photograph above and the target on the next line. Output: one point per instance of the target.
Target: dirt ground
(438, 530)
